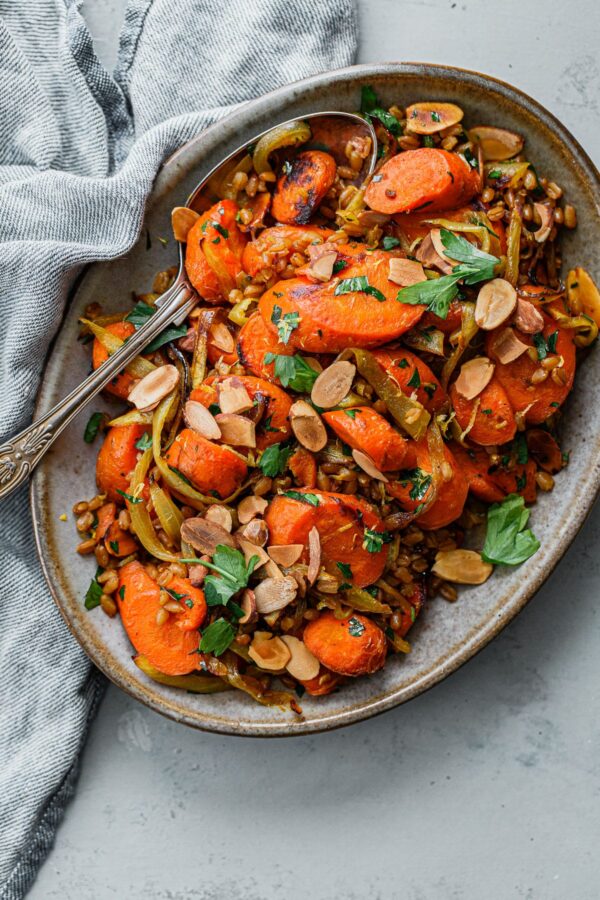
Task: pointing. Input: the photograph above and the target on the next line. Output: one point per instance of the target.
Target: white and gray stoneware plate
(447, 635)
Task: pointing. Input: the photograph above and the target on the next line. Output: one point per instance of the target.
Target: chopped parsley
(372, 109)
(293, 371)
(94, 592)
(507, 541)
(339, 265)
(217, 637)
(145, 442)
(545, 346)
(389, 243)
(373, 541)
(355, 627)
(346, 570)
(351, 413)
(93, 427)
(129, 497)
(234, 573)
(358, 283)
(138, 317)
(420, 482)
(274, 459)
(302, 497)
(285, 323)
(414, 380)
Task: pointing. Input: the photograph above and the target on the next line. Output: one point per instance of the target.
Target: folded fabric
(79, 150)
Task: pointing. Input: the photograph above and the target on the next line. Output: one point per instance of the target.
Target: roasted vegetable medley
(356, 412)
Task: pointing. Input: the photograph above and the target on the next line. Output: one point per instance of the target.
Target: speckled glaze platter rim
(511, 601)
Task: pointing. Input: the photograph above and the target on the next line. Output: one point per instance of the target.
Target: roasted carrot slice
(475, 465)
(122, 383)
(169, 647)
(352, 646)
(275, 245)
(494, 420)
(117, 459)
(364, 429)
(416, 600)
(215, 352)
(413, 487)
(428, 178)
(212, 468)
(537, 401)
(323, 683)
(191, 600)
(415, 225)
(213, 256)
(302, 186)
(341, 520)
(303, 467)
(106, 515)
(118, 542)
(518, 480)
(254, 341)
(413, 376)
(328, 321)
(274, 425)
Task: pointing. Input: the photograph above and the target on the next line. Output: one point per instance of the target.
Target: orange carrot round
(303, 466)
(494, 421)
(191, 600)
(118, 542)
(412, 375)
(364, 429)
(302, 186)
(210, 467)
(255, 340)
(213, 255)
(322, 684)
(353, 646)
(121, 384)
(428, 179)
(168, 647)
(451, 494)
(474, 464)
(117, 459)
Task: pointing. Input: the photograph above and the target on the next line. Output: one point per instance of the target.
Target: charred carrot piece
(210, 467)
(213, 257)
(364, 429)
(413, 487)
(303, 466)
(491, 413)
(255, 340)
(117, 459)
(413, 376)
(475, 465)
(303, 186)
(353, 646)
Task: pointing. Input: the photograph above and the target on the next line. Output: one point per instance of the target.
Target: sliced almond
(428, 255)
(201, 420)
(205, 535)
(285, 554)
(270, 654)
(528, 318)
(275, 593)
(507, 347)
(314, 554)
(333, 384)
(154, 387)
(368, 466)
(496, 143)
(322, 268)
(462, 566)
(249, 550)
(250, 507)
(182, 219)
(222, 338)
(233, 397)
(428, 118)
(546, 221)
(496, 302)
(236, 430)
(220, 515)
(248, 604)
(475, 375)
(406, 272)
(257, 532)
(307, 426)
(303, 664)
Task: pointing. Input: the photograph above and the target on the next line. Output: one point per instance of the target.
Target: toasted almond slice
(547, 219)
(474, 376)
(201, 420)
(406, 272)
(428, 118)
(333, 384)
(153, 387)
(528, 318)
(307, 426)
(369, 217)
(205, 535)
(314, 554)
(257, 532)
(220, 515)
(233, 397)
(428, 255)
(182, 219)
(462, 566)
(248, 604)
(236, 430)
(507, 347)
(249, 550)
(303, 664)
(250, 507)
(496, 143)
(222, 338)
(285, 554)
(368, 466)
(496, 302)
(271, 654)
(275, 593)
(322, 268)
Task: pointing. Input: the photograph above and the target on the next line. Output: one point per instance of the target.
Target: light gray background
(488, 786)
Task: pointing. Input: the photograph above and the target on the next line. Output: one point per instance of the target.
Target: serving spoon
(20, 455)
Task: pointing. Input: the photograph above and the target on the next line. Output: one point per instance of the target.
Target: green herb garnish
(274, 459)
(355, 627)
(346, 570)
(389, 243)
(507, 541)
(285, 323)
(94, 592)
(371, 108)
(419, 480)
(358, 283)
(93, 427)
(373, 541)
(234, 573)
(145, 442)
(302, 497)
(293, 371)
(414, 380)
(129, 497)
(217, 637)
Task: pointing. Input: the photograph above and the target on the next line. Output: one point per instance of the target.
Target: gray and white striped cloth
(79, 149)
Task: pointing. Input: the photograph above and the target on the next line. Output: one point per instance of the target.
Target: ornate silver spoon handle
(21, 454)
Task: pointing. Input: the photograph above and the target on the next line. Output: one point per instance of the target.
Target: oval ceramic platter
(447, 634)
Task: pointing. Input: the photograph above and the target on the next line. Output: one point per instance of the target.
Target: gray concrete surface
(488, 786)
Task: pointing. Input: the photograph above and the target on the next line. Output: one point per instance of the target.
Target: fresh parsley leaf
(351, 413)
(495, 173)
(355, 627)
(114, 546)
(389, 243)
(302, 497)
(339, 265)
(175, 595)
(368, 98)
(371, 108)
(373, 541)
(140, 314)
(293, 371)
(345, 569)
(462, 250)
(234, 573)
(358, 283)
(122, 592)
(93, 427)
(285, 323)
(403, 363)
(436, 294)
(275, 459)
(215, 409)
(94, 592)
(129, 497)
(552, 339)
(145, 442)
(414, 380)
(217, 637)
(540, 345)
(427, 140)
(520, 449)
(420, 482)
(507, 541)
